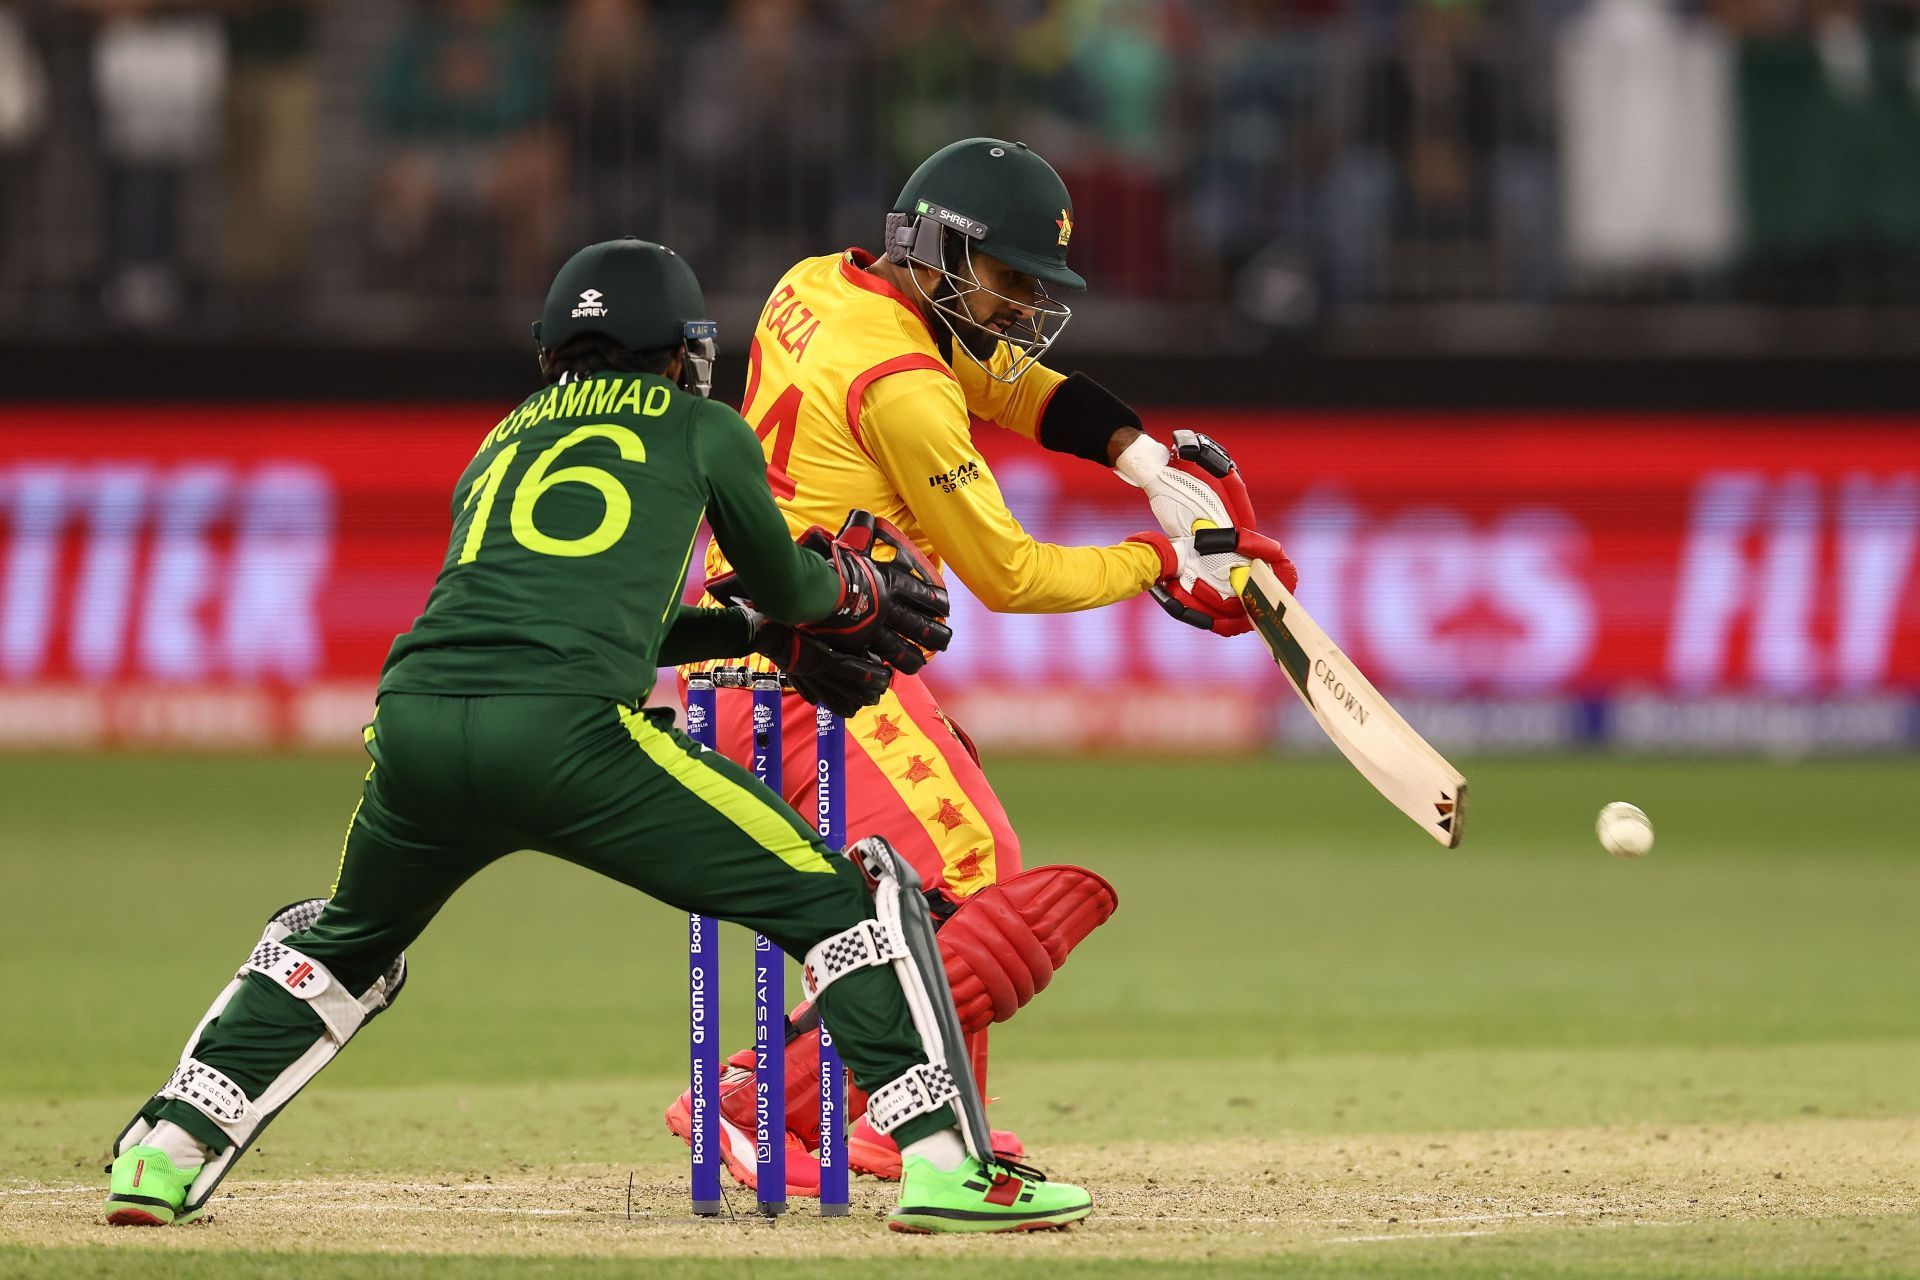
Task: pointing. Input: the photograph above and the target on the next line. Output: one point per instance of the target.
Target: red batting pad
(1004, 943)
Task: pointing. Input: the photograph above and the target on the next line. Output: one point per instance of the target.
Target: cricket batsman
(511, 716)
(865, 380)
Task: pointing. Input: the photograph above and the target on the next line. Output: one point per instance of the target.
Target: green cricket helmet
(639, 294)
(984, 195)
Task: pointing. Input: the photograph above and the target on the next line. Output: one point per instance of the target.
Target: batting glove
(1196, 580)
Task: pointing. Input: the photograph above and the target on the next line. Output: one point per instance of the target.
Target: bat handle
(1238, 575)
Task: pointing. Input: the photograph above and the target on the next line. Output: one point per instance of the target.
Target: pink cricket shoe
(868, 1152)
(736, 1138)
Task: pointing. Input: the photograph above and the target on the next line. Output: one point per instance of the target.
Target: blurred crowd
(166, 161)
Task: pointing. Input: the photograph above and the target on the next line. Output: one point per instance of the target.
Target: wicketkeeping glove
(894, 609)
(843, 683)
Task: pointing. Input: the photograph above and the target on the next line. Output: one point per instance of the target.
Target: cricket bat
(1369, 732)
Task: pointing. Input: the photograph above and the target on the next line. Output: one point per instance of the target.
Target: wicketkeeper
(510, 716)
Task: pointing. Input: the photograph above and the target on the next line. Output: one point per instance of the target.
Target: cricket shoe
(145, 1189)
(878, 1156)
(737, 1148)
(1001, 1196)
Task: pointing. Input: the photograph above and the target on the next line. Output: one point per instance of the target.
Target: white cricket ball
(1624, 831)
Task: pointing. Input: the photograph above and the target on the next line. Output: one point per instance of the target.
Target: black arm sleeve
(697, 634)
(1081, 417)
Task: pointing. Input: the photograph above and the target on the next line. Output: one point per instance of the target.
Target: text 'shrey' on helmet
(987, 196)
(640, 295)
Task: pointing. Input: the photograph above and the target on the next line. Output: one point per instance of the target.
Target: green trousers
(458, 782)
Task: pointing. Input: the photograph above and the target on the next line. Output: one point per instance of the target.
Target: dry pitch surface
(1808, 1195)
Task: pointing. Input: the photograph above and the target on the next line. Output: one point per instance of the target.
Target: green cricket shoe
(1003, 1196)
(144, 1189)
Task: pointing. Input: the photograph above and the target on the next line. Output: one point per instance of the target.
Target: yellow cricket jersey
(855, 408)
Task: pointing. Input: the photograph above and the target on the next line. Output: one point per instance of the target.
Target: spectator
(1258, 89)
(462, 105)
(938, 67)
(1265, 154)
(23, 86)
(611, 106)
(159, 73)
(1831, 154)
(23, 114)
(759, 138)
(1450, 149)
(1647, 143)
(1117, 92)
(272, 103)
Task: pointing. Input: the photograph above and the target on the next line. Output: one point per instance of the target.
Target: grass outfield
(1311, 1042)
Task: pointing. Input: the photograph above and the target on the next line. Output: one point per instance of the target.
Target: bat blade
(1399, 763)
